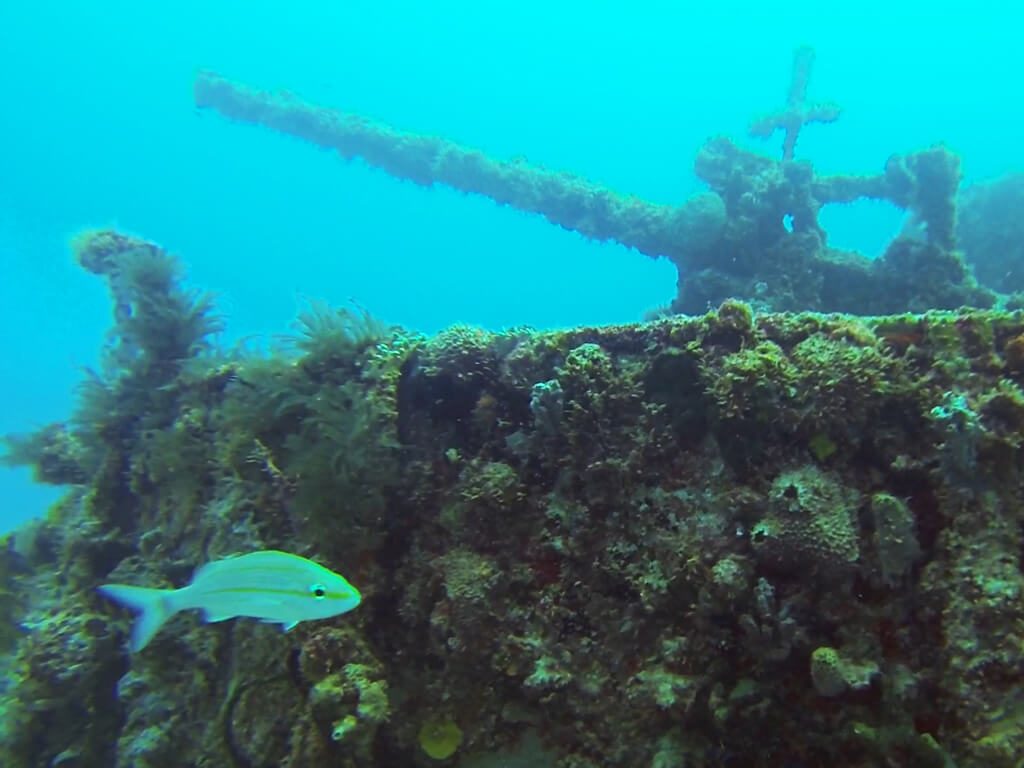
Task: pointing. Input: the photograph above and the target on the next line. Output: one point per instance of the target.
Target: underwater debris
(568, 201)
(797, 112)
(730, 242)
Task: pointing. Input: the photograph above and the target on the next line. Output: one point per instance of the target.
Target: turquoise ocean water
(98, 128)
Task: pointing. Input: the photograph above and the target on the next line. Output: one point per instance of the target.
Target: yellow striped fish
(276, 587)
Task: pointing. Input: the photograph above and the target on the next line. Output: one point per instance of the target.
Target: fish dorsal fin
(210, 569)
(269, 556)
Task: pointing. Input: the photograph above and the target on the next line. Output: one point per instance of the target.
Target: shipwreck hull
(783, 539)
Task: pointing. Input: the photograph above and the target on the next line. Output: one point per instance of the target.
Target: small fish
(276, 587)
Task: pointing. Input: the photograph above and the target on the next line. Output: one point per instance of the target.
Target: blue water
(97, 128)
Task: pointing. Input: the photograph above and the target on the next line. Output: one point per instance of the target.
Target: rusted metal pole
(571, 202)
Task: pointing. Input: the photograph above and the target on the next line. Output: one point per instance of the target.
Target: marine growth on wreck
(755, 535)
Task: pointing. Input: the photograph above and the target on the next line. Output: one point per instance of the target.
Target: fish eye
(319, 591)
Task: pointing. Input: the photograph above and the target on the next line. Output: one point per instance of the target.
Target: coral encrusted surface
(736, 539)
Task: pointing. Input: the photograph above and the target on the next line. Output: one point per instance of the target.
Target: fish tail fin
(152, 606)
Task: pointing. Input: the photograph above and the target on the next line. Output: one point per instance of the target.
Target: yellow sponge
(440, 737)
